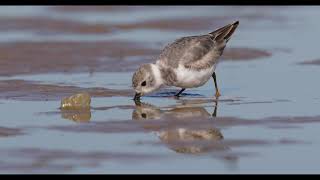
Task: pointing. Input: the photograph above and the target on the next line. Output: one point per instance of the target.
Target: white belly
(191, 78)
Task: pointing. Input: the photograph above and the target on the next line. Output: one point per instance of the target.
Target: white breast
(188, 78)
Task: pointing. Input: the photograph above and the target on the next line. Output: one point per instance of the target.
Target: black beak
(137, 102)
(137, 97)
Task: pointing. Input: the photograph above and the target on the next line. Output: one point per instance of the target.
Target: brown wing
(197, 52)
(186, 50)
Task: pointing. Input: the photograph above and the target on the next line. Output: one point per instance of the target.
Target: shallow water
(266, 121)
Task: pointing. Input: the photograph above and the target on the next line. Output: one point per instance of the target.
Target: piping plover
(188, 62)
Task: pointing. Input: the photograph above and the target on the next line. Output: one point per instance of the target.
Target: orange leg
(215, 84)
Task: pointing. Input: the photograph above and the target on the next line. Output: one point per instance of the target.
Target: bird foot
(218, 94)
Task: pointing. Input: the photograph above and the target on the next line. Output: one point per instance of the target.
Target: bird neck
(157, 74)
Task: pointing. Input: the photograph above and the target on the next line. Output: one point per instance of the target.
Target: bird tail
(224, 32)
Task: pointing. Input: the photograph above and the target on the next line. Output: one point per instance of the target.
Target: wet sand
(182, 24)
(75, 57)
(6, 132)
(244, 54)
(94, 8)
(33, 91)
(43, 160)
(265, 121)
(69, 57)
(310, 62)
(51, 26)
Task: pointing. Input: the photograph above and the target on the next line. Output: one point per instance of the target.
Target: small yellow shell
(77, 101)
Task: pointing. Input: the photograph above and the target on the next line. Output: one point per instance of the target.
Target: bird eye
(144, 83)
(144, 115)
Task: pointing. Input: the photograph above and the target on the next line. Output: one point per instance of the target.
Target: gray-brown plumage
(197, 52)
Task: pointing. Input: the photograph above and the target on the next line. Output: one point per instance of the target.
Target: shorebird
(188, 62)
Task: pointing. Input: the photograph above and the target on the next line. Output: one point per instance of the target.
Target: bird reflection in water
(184, 129)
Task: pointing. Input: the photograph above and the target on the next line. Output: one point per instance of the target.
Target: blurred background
(267, 119)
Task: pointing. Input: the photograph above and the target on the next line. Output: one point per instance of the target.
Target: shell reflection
(77, 115)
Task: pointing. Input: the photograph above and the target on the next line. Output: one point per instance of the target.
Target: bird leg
(178, 94)
(214, 114)
(215, 84)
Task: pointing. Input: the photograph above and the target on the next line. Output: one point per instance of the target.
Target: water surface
(266, 121)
